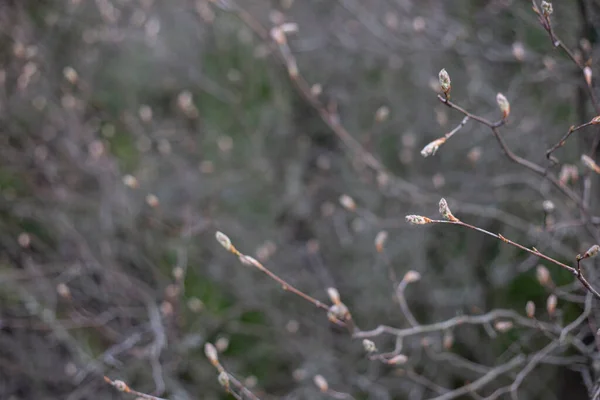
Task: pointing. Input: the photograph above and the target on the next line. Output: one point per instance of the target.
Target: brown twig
(123, 387)
(563, 140)
(574, 271)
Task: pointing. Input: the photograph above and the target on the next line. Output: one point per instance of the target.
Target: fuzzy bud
(382, 114)
(448, 340)
(321, 383)
(334, 295)
(568, 173)
(590, 163)
(503, 326)
(223, 240)
(592, 252)
(445, 82)
(152, 200)
(249, 261)
(530, 309)
(445, 211)
(432, 147)
(211, 353)
(551, 302)
(347, 202)
(120, 386)
(587, 74)
(380, 240)
(411, 276)
(224, 379)
(503, 104)
(543, 275)
(548, 206)
(369, 346)
(417, 220)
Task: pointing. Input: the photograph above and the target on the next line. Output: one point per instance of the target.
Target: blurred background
(132, 130)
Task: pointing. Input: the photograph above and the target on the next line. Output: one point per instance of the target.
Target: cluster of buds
(445, 211)
(338, 313)
(547, 9)
(503, 104)
(568, 173)
(445, 82)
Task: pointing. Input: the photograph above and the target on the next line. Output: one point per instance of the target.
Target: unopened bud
(382, 114)
(222, 344)
(278, 35)
(152, 200)
(347, 202)
(432, 147)
(551, 304)
(518, 51)
(211, 353)
(503, 104)
(548, 206)
(120, 386)
(417, 220)
(445, 82)
(448, 340)
(411, 276)
(321, 383)
(592, 252)
(224, 240)
(130, 181)
(70, 74)
(587, 74)
(568, 173)
(369, 346)
(250, 261)
(398, 360)
(530, 309)
(224, 379)
(543, 275)
(595, 120)
(445, 211)
(334, 295)
(590, 163)
(380, 240)
(63, 290)
(316, 89)
(503, 326)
